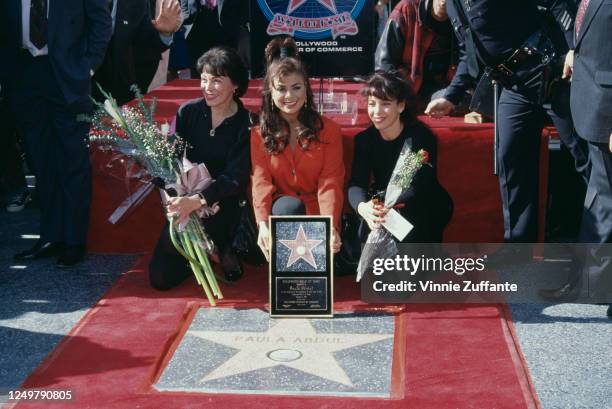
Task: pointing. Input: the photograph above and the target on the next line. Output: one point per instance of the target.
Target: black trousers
(520, 122)
(168, 268)
(57, 143)
(12, 178)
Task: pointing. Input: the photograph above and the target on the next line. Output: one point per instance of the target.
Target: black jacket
(78, 33)
(133, 30)
(427, 204)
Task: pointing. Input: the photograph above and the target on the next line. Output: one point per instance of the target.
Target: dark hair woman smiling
(216, 129)
(426, 204)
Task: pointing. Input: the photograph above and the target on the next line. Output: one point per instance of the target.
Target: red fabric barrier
(465, 170)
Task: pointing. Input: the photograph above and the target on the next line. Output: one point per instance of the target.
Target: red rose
(424, 156)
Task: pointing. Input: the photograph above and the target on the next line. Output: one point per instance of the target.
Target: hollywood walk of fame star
(301, 248)
(316, 349)
(328, 4)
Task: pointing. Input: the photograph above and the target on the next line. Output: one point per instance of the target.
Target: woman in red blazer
(296, 154)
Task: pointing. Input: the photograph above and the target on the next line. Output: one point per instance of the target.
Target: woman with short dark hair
(391, 108)
(296, 153)
(216, 129)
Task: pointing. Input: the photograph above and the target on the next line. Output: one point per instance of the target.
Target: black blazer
(591, 92)
(133, 31)
(78, 33)
(222, 26)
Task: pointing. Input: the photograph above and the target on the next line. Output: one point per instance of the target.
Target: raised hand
(169, 19)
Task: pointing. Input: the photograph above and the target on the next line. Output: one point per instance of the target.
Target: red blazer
(314, 175)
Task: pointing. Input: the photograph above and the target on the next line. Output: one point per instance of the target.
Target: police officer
(506, 40)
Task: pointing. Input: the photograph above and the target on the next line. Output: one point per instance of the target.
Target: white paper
(397, 225)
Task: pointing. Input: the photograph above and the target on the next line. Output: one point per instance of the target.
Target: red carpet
(445, 357)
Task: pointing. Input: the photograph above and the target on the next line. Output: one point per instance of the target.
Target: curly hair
(282, 59)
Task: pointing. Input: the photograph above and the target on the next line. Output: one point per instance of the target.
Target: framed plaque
(301, 266)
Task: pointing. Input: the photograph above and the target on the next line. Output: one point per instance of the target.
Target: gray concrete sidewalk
(40, 303)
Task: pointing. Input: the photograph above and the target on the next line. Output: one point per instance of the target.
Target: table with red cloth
(465, 169)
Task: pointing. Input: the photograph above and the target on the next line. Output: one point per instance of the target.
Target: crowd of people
(432, 57)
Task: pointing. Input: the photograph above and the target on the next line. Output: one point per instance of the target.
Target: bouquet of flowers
(380, 242)
(133, 132)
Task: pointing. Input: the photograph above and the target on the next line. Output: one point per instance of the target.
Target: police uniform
(489, 32)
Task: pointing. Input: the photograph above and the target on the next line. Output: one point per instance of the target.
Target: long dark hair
(392, 86)
(282, 59)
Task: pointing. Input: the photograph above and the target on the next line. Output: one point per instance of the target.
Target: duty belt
(538, 51)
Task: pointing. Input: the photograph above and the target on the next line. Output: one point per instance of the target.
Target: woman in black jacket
(426, 205)
(216, 129)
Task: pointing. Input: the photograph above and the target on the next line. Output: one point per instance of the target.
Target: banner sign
(335, 37)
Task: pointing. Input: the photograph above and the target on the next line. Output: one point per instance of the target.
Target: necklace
(233, 110)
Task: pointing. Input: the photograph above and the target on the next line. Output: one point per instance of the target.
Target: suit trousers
(12, 178)
(596, 227)
(57, 144)
(520, 122)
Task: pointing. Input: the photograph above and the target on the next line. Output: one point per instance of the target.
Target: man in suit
(53, 48)
(591, 101)
(133, 30)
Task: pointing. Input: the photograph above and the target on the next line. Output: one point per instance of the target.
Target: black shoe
(18, 201)
(71, 256)
(231, 265)
(567, 292)
(509, 255)
(41, 249)
(609, 312)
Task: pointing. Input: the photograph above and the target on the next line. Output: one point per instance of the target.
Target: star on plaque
(328, 4)
(293, 343)
(301, 248)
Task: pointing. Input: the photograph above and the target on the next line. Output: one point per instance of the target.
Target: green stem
(192, 262)
(199, 231)
(195, 267)
(207, 269)
(195, 244)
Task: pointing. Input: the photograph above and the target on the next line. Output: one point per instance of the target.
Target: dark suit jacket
(591, 94)
(221, 26)
(133, 30)
(78, 34)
